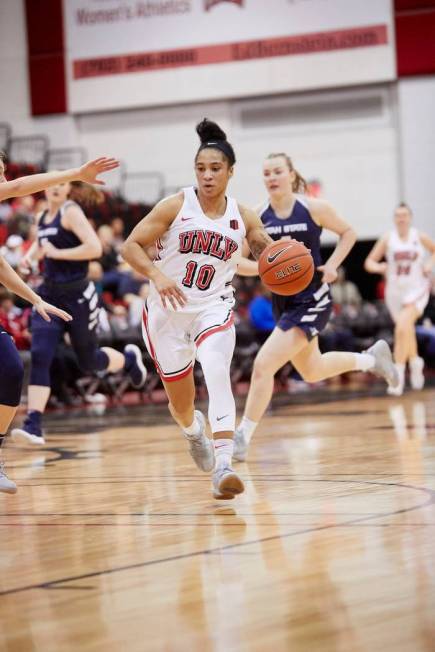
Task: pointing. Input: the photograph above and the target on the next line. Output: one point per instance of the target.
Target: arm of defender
(37, 182)
(326, 216)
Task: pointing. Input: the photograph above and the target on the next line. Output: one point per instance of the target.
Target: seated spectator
(345, 292)
(15, 321)
(260, 313)
(12, 252)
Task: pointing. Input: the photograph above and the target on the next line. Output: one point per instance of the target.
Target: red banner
(358, 37)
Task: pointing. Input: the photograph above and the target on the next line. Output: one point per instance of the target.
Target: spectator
(12, 252)
(345, 292)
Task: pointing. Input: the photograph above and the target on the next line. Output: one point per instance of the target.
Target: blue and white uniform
(65, 285)
(310, 309)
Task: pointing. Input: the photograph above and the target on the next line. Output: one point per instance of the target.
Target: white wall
(417, 148)
(353, 151)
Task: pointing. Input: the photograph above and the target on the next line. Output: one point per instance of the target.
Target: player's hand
(50, 251)
(329, 273)
(43, 308)
(169, 291)
(90, 170)
(25, 266)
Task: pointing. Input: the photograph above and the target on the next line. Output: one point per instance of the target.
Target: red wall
(415, 37)
(46, 56)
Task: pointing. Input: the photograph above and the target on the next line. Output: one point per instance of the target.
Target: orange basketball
(286, 267)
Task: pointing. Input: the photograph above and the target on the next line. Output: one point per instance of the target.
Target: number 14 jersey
(200, 253)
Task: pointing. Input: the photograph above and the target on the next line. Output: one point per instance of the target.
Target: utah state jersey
(60, 271)
(300, 226)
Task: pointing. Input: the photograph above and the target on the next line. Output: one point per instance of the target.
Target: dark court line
(430, 493)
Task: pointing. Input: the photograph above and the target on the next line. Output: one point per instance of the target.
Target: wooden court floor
(114, 542)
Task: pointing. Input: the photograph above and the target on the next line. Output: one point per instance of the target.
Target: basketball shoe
(6, 486)
(384, 365)
(226, 483)
(201, 447)
(134, 365)
(240, 445)
(416, 376)
(31, 432)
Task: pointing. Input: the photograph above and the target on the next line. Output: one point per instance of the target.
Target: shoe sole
(132, 348)
(17, 433)
(8, 490)
(229, 487)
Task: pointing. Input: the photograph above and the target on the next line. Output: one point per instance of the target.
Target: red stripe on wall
(369, 36)
(46, 56)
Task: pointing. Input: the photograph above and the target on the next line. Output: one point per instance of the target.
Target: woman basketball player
(67, 242)
(11, 364)
(301, 317)
(198, 234)
(407, 289)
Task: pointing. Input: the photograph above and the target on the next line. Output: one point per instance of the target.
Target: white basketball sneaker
(226, 484)
(398, 389)
(240, 445)
(6, 486)
(416, 375)
(384, 365)
(201, 447)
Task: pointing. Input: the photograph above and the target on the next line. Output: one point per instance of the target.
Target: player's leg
(405, 348)
(10, 395)
(85, 310)
(166, 338)
(45, 338)
(215, 353)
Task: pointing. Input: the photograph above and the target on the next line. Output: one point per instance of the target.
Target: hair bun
(208, 130)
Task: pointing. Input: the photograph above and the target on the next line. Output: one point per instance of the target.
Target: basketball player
(407, 289)
(189, 313)
(11, 364)
(67, 243)
(301, 317)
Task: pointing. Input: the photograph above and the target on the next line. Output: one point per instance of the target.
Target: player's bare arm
(428, 244)
(76, 221)
(256, 236)
(36, 182)
(372, 263)
(143, 236)
(327, 217)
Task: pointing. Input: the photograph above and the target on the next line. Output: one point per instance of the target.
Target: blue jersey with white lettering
(60, 271)
(300, 226)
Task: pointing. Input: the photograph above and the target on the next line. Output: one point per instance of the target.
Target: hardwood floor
(114, 541)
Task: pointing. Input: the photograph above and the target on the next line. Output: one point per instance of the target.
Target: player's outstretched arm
(89, 173)
(144, 235)
(13, 283)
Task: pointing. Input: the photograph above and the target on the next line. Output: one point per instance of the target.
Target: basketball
(286, 267)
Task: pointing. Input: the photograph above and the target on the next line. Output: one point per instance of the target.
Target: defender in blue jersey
(11, 365)
(300, 318)
(66, 241)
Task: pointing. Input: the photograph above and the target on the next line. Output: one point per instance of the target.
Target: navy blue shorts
(311, 316)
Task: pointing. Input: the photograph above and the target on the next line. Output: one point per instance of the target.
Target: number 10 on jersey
(201, 277)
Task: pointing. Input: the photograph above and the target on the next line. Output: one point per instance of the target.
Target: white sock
(364, 361)
(248, 428)
(194, 429)
(223, 450)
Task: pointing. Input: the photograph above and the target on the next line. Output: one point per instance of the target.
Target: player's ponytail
(211, 135)
(85, 194)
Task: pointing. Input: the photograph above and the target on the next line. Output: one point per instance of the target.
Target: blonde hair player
(301, 317)
(11, 364)
(407, 289)
(189, 313)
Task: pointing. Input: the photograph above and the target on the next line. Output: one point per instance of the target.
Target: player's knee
(10, 391)
(262, 367)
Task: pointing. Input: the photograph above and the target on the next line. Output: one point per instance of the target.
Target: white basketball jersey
(405, 261)
(201, 254)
